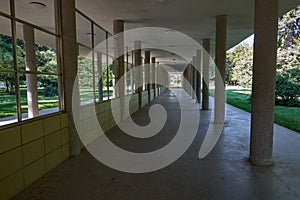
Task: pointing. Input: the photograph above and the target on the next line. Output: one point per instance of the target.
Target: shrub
(288, 88)
(50, 91)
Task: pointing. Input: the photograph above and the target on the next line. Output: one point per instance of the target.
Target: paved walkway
(224, 174)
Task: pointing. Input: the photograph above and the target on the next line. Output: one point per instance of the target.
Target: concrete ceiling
(195, 18)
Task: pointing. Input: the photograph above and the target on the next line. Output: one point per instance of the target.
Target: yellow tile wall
(31, 149)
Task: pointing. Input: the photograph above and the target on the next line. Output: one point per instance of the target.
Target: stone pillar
(189, 79)
(158, 76)
(221, 37)
(153, 74)
(132, 72)
(119, 64)
(264, 79)
(100, 84)
(205, 74)
(185, 80)
(157, 91)
(193, 79)
(198, 65)
(31, 79)
(147, 74)
(69, 54)
(139, 76)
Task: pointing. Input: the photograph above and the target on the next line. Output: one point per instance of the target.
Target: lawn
(8, 102)
(288, 117)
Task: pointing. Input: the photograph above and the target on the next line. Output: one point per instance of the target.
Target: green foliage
(239, 61)
(50, 91)
(288, 29)
(239, 65)
(288, 88)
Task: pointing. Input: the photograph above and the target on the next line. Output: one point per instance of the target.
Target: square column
(220, 69)
(119, 64)
(193, 78)
(139, 75)
(147, 73)
(190, 88)
(198, 75)
(205, 74)
(264, 81)
(69, 54)
(100, 84)
(153, 74)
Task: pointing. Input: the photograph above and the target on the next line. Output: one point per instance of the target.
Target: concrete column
(157, 91)
(193, 79)
(153, 74)
(69, 54)
(186, 79)
(132, 72)
(198, 75)
(119, 64)
(189, 79)
(221, 37)
(139, 76)
(158, 76)
(183, 81)
(31, 79)
(205, 74)
(264, 78)
(147, 73)
(100, 84)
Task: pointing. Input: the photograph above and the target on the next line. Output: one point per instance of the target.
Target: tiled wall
(151, 95)
(30, 150)
(108, 113)
(144, 98)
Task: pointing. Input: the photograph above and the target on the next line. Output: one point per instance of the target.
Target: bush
(50, 91)
(288, 88)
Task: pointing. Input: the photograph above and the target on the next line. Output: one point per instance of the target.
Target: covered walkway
(224, 174)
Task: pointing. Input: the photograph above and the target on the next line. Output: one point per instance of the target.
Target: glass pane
(99, 72)
(23, 95)
(48, 94)
(111, 82)
(44, 47)
(6, 51)
(84, 32)
(8, 106)
(100, 37)
(43, 97)
(112, 89)
(4, 6)
(85, 75)
(45, 50)
(40, 13)
(86, 89)
(104, 81)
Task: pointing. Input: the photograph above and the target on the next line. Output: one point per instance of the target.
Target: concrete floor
(224, 174)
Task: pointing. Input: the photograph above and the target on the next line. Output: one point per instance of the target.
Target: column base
(260, 162)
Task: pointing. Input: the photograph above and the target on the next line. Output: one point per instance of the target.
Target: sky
(249, 40)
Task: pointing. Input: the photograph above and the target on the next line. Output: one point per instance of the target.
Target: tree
(239, 61)
(288, 88)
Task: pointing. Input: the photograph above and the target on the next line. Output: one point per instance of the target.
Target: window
(30, 76)
(95, 61)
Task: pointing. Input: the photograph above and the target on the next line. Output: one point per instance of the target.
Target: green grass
(8, 102)
(288, 117)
